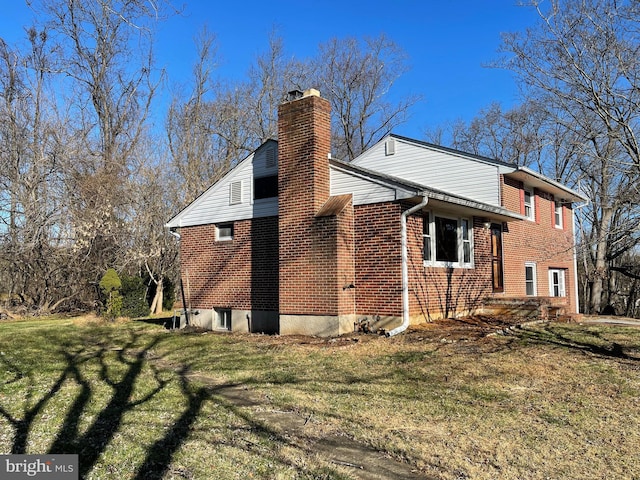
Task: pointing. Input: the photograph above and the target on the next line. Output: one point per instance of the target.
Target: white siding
(214, 205)
(364, 190)
(456, 174)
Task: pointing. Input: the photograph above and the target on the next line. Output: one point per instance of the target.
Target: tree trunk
(156, 305)
(600, 261)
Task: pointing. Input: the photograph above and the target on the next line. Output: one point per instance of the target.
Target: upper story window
(557, 214)
(447, 241)
(265, 187)
(529, 204)
(224, 231)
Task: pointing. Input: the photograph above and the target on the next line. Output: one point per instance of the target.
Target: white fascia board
(176, 221)
(538, 180)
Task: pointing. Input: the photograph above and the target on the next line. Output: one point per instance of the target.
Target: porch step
(544, 308)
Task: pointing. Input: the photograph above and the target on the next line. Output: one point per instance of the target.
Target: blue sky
(447, 43)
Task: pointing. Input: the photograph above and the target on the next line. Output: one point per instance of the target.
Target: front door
(496, 257)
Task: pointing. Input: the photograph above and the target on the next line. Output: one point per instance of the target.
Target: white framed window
(529, 204)
(530, 279)
(447, 241)
(224, 231)
(557, 283)
(557, 214)
(223, 319)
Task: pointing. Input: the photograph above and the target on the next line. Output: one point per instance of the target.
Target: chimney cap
(298, 94)
(294, 95)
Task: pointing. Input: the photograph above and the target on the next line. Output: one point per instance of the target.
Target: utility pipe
(405, 267)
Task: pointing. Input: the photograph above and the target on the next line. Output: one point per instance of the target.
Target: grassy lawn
(136, 401)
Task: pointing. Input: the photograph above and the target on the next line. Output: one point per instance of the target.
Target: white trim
(430, 216)
(532, 205)
(534, 279)
(224, 225)
(561, 284)
(558, 215)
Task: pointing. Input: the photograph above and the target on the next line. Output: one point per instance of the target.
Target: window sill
(448, 265)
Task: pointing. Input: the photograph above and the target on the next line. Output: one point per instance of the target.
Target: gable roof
(204, 209)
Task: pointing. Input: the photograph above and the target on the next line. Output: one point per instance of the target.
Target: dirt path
(362, 461)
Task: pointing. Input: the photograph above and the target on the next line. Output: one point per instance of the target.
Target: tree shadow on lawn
(592, 341)
(91, 442)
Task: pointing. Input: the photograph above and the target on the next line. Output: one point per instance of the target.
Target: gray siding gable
(439, 168)
(219, 203)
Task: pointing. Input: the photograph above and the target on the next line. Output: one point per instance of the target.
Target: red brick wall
(345, 241)
(537, 241)
(240, 274)
(433, 292)
(307, 254)
(441, 292)
(378, 259)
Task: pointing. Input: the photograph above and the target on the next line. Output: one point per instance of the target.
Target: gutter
(174, 233)
(405, 268)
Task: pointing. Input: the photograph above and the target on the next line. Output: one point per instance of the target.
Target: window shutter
(522, 210)
(553, 211)
(235, 193)
(536, 208)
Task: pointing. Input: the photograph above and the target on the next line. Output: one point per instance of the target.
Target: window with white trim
(447, 241)
(224, 231)
(223, 318)
(530, 279)
(557, 214)
(557, 283)
(529, 204)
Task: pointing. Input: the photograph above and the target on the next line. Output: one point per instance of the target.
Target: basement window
(223, 319)
(224, 231)
(265, 187)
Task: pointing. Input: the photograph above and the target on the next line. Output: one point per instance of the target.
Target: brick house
(292, 241)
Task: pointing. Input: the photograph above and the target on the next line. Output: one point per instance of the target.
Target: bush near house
(134, 297)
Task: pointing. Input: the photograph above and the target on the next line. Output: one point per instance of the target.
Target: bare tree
(208, 129)
(269, 79)
(155, 197)
(34, 249)
(357, 78)
(582, 61)
(106, 50)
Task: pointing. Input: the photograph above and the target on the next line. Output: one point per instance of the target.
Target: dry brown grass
(559, 401)
(548, 401)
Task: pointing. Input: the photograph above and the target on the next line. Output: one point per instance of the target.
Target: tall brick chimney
(304, 144)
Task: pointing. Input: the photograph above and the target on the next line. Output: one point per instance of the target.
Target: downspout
(405, 266)
(184, 301)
